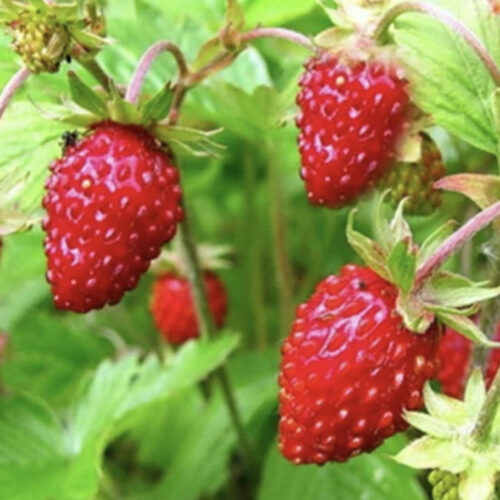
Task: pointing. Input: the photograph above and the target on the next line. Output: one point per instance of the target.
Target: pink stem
(467, 231)
(284, 34)
(11, 88)
(448, 20)
(147, 61)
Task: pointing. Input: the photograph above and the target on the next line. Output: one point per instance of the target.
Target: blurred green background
(68, 432)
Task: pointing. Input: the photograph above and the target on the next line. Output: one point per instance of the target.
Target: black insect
(68, 139)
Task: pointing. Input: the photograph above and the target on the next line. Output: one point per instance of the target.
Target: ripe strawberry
(173, 309)
(112, 201)
(415, 181)
(454, 357)
(41, 41)
(349, 369)
(352, 115)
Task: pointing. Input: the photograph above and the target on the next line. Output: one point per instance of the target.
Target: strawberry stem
(12, 87)
(467, 231)
(488, 413)
(282, 33)
(448, 20)
(147, 61)
(207, 329)
(97, 72)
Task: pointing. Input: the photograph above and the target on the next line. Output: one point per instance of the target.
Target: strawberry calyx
(89, 106)
(44, 35)
(442, 295)
(450, 445)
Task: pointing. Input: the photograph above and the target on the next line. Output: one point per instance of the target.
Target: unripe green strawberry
(444, 485)
(415, 180)
(41, 41)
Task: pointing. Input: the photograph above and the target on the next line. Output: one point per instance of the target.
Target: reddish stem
(467, 231)
(282, 33)
(147, 61)
(448, 20)
(11, 88)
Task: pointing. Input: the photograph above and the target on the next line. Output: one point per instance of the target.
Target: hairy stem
(147, 61)
(282, 33)
(284, 279)
(253, 253)
(467, 231)
(11, 88)
(207, 328)
(448, 20)
(93, 67)
(488, 413)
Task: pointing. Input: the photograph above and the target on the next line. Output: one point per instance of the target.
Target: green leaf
(433, 453)
(402, 263)
(442, 406)
(70, 463)
(475, 393)
(370, 251)
(368, 476)
(466, 327)
(428, 424)
(448, 80)
(158, 107)
(484, 190)
(29, 144)
(85, 97)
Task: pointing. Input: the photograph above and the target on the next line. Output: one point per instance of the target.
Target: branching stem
(147, 61)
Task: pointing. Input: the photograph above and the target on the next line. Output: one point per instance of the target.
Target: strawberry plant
(249, 249)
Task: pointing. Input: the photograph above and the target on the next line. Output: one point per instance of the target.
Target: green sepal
(402, 263)
(85, 97)
(428, 424)
(464, 296)
(208, 50)
(466, 327)
(235, 15)
(434, 241)
(120, 110)
(370, 251)
(475, 393)
(158, 107)
(399, 229)
(442, 406)
(416, 317)
(433, 453)
(187, 140)
(79, 119)
(89, 40)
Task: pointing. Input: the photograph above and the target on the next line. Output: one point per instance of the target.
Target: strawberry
(112, 201)
(352, 114)
(41, 40)
(415, 181)
(173, 309)
(349, 369)
(495, 6)
(454, 357)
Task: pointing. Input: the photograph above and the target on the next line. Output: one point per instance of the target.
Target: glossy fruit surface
(349, 369)
(112, 201)
(352, 115)
(173, 309)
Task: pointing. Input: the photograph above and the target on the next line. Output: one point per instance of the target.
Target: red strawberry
(112, 201)
(173, 309)
(454, 356)
(349, 369)
(352, 115)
